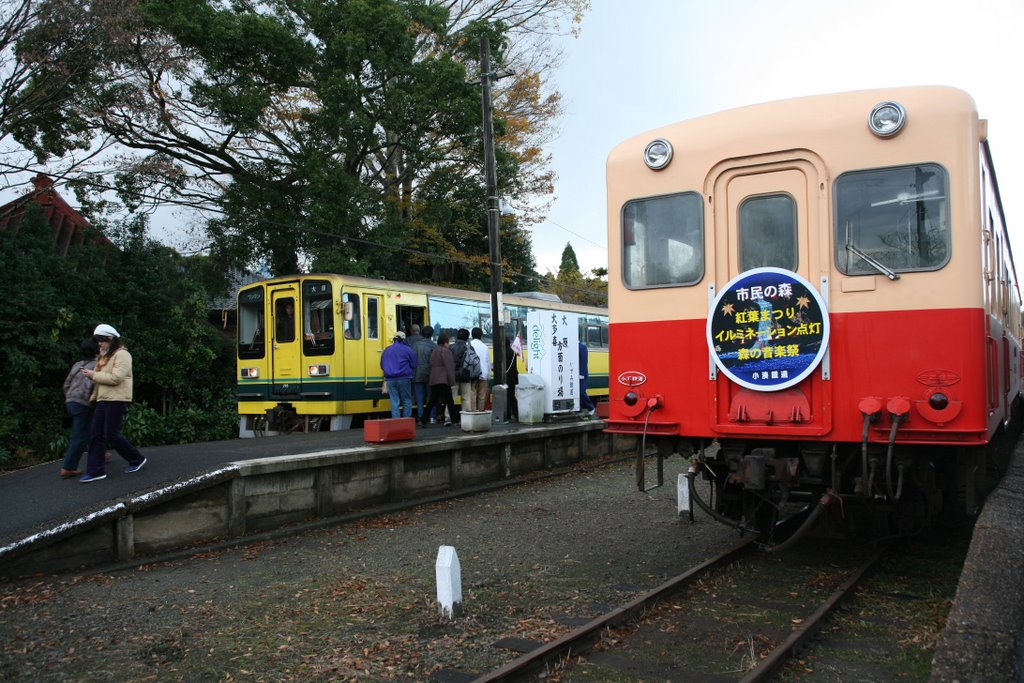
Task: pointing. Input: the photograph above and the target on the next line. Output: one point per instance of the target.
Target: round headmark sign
(768, 329)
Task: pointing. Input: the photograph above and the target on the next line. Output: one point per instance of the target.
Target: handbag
(384, 387)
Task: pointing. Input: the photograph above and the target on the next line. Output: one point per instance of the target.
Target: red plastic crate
(391, 429)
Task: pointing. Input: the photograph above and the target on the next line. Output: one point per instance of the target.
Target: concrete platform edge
(984, 637)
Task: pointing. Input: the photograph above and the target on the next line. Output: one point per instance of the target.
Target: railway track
(738, 616)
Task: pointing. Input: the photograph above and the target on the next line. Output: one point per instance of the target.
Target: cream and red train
(824, 288)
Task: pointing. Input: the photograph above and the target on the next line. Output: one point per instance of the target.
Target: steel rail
(777, 657)
(585, 637)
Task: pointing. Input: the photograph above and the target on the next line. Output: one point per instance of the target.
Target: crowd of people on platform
(423, 377)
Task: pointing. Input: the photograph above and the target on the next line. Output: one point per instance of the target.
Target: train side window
(351, 325)
(251, 334)
(663, 241)
(447, 315)
(768, 232)
(892, 219)
(372, 317)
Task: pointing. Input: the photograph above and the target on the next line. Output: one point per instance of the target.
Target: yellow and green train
(309, 346)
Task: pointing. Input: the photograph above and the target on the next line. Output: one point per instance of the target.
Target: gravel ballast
(358, 601)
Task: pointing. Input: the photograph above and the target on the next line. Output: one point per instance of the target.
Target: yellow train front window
(892, 220)
(251, 333)
(663, 241)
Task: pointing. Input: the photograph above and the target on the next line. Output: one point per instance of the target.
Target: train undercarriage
(786, 490)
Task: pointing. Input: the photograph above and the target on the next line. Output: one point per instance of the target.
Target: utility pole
(493, 213)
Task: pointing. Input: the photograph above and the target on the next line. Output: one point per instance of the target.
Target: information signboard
(552, 351)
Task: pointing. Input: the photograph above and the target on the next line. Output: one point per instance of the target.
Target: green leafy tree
(34, 321)
(574, 287)
(569, 269)
(314, 128)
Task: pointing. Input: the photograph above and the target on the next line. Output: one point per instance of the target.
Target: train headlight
(657, 154)
(630, 398)
(319, 370)
(887, 119)
(938, 401)
(250, 373)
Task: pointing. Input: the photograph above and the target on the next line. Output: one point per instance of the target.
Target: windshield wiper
(891, 274)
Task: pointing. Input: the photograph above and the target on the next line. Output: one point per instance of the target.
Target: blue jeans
(81, 418)
(107, 419)
(421, 397)
(400, 391)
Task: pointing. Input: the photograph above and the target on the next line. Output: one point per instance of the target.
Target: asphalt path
(36, 498)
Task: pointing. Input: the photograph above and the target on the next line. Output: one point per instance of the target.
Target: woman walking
(112, 393)
(77, 388)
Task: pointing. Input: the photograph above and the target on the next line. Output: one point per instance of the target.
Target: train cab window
(251, 334)
(351, 324)
(317, 318)
(892, 220)
(768, 232)
(663, 241)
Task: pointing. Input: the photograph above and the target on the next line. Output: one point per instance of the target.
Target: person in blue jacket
(399, 365)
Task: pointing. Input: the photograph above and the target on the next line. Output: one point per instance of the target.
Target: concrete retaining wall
(254, 496)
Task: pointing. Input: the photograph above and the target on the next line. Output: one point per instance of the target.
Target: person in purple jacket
(399, 365)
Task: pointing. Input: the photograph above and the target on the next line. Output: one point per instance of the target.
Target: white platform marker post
(683, 494)
(449, 582)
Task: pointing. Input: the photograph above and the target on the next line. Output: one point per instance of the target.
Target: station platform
(194, 493)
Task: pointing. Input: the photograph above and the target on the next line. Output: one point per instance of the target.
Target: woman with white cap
(112, 392)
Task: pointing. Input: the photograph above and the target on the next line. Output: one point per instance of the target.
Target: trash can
(530, 395)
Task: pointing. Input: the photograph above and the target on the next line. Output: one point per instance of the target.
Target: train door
(375, 341)
(768, 214)
(286, 350)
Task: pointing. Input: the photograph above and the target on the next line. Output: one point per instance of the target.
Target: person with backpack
(462, 378)
(478, 371)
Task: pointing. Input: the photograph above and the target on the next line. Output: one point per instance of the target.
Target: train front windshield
(251, 333)
(892, 218)
(663, 241)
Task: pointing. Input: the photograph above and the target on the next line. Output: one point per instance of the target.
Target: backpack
(469, 368)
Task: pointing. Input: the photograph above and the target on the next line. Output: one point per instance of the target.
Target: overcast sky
(640, 65)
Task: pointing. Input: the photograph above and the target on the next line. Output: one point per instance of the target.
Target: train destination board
(768, 329)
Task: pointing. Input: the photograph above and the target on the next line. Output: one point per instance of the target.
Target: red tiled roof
(69, 227)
